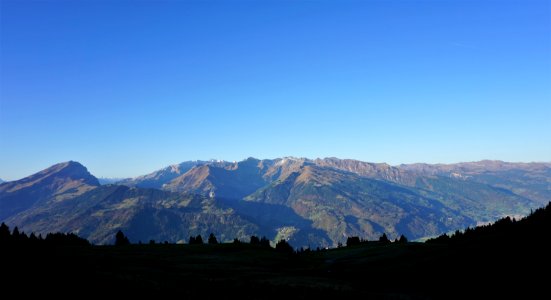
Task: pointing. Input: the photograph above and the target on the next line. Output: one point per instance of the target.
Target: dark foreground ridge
(503, 259)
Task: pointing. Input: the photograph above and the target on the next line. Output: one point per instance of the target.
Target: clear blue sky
(127, 87)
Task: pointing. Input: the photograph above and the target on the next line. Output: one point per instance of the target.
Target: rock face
(158, 178)
(376, 171)
(310, 202)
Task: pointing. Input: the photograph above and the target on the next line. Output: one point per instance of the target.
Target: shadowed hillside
(492, 261)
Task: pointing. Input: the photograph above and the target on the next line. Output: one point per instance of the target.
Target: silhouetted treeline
(264, 242)
(506, 229)
(17, 238)
(352, 241)
(212, 240)
(196, 240)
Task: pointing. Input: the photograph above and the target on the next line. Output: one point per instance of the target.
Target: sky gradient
(128, 87)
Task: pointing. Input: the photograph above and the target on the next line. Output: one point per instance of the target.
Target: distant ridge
(158, 178)
(309, 202)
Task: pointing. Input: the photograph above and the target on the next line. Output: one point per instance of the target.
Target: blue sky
(127, 87)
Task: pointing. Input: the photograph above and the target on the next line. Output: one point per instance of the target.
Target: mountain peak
(56, 183)
(69, 169)
(294, 158)
(62, 165)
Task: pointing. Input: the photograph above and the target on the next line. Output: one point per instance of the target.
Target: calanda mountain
(311, 203)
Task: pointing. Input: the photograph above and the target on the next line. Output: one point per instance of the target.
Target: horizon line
(282, 157)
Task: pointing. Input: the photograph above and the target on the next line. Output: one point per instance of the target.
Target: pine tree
(384, 239)
(352, 241)
(15, 234)
(254, 240)
(284, 247)
(265, 242)
(403, 239)
(212, 239)
(199, 240)
(121, 239)
(4, 233)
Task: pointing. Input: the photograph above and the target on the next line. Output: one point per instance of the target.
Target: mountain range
(309, 202)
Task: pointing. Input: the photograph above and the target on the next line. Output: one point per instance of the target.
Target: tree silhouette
(403, 239)
(33, 239)
(121, 239)
(198, 240)
(212, 239)
(4, 233)
(384, 239)
(264, 242)
(284, 247)
(254, 240)
(352, 241)
(21, 238)
(15, 234)
(65, 239)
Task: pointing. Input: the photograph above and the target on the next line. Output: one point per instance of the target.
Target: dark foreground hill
(507, 259)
